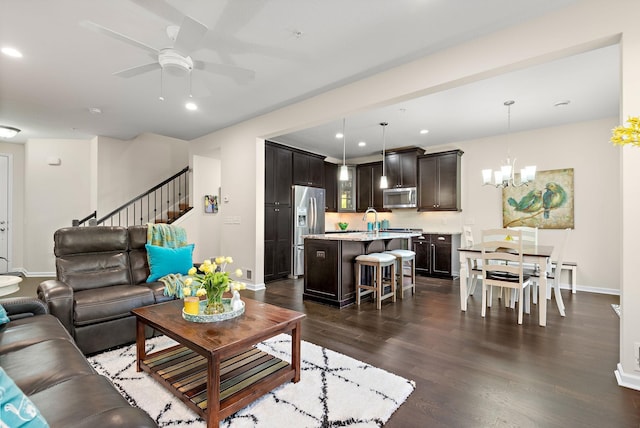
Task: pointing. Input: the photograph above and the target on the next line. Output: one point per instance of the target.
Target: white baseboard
(256, 287)
(35, 274)
(586, 289)
(627, 380)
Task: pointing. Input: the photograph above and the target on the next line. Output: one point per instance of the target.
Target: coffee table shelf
(184, 372)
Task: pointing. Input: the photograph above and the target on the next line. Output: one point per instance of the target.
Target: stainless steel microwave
(404, 197)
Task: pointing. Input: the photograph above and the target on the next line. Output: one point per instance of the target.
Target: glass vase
(214, 303)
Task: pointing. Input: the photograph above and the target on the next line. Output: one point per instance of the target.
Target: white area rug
(334, 390)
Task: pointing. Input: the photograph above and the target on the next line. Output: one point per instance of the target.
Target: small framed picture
(210, 203)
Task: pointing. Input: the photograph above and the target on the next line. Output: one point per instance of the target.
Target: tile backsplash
(439, 222)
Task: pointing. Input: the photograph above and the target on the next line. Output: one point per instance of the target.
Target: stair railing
(163, 203)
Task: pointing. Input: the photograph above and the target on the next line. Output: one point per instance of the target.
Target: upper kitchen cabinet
(401, 167)
(277, 174)
(308, 169)
(439, 181)
(330, 187)
(368, 191)
(347, 191)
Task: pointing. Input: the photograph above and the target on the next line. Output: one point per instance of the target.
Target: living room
(239, 151)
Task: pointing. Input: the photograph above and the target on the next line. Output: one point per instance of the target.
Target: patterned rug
(334, 390)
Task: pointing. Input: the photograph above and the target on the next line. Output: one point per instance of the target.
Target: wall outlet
(248, 273)
(636, 352)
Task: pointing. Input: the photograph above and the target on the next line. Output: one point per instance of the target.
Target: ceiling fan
(185, 39)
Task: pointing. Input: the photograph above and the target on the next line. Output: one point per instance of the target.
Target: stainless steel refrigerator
(308, 219)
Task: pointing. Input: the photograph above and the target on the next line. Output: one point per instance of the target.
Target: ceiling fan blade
(236, 14)
(161, 9)
(241, 74)
(115, 35)
(190, 35)
(134, 71)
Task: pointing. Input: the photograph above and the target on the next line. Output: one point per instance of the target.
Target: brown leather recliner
(101, 276)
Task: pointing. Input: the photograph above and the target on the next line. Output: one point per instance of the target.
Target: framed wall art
(210, 203)
(545, 203)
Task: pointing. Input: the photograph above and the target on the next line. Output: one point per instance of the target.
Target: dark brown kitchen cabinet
(439, 181)
(330, 187)
(277, 211)
(437, 254)
(308, 169)
(368, 191)
(401, 167)
(277, 242)
(277, 175)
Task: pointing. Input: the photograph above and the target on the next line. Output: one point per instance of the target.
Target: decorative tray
(226, 315)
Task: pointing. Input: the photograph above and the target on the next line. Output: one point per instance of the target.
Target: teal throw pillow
(164, 260)
(16, 409)
(3, 316)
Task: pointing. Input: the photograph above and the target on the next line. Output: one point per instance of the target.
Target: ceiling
(294, 49)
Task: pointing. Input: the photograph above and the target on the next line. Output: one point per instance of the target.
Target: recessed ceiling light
(12, 52)
(362, 144)
(424, 131)
(191, 106)
(339, 135)
(95, 110)
(561, 103)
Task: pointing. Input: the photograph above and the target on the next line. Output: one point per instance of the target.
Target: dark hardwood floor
(474, 372)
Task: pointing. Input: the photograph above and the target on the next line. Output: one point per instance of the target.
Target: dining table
(538, 255)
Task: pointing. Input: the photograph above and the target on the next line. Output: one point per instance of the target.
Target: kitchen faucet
(375, 213)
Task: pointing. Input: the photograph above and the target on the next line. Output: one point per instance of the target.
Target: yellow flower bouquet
(622, 135)
(211, 279)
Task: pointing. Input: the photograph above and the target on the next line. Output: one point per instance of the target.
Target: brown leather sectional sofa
(101, 276)
(40, 356)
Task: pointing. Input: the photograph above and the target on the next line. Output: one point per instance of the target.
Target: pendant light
(505, 176)
(383, 180)
(344, 171)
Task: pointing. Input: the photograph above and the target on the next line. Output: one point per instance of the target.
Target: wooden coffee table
(216, 370)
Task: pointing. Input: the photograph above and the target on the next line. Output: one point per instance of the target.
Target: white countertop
(363, 236)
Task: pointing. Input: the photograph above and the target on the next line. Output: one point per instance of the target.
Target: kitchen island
(329, 269)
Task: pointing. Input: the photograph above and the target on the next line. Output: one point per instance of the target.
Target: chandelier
(506, 175)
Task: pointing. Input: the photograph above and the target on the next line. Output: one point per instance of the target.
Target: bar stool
(377, 261)
(402, 257)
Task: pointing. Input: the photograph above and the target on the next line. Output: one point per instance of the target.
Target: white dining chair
(553, 274)
(529, 237)
(476, 270)
(502, 266)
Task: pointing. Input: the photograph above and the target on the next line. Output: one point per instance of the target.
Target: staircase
(163, 203)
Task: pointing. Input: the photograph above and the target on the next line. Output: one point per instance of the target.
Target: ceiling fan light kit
(171, 60)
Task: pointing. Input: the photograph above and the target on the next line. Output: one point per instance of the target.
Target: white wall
(628, 372)
(17, 204)
(129, 168)
(54, 195)
(206, 181)
(90, 171)
(579, 146)
(585, 25)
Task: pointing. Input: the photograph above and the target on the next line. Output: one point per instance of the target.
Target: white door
(4, 212)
